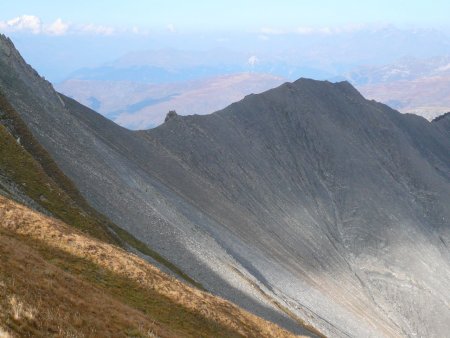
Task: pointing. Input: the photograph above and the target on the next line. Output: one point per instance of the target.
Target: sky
(60, 37)
(244, 15)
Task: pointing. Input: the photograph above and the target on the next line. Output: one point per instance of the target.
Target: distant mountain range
(406, 69)
(318, 53)
(418, 86)
(140, 106)
(138, 89)
(172, 65)
(307, 204)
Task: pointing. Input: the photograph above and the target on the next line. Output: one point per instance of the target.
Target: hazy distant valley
(139, 105)
(417, 86)
(138, 89)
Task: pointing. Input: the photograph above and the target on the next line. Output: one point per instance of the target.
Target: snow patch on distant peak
(253, 60)
(444, 68)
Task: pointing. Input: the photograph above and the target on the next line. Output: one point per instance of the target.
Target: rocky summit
(307, 204)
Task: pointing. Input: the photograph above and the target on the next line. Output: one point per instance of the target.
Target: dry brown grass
(4, 334)
(84, 284)
(19, 309)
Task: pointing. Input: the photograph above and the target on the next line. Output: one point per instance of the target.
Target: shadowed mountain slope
(73, 278)
(306, 203)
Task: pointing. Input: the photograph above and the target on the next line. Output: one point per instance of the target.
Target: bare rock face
(170, 115)
(306, 197)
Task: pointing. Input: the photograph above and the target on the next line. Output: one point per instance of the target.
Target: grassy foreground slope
(55, 280)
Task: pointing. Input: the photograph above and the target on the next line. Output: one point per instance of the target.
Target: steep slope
(29, 175)
(115, 163)
(343, 193)
(53, 124)
(85, 295)
(56, 281)
(303, 203)
(90, 287)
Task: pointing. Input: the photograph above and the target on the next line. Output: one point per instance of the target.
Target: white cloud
(58, 27)
(171, 28)
(328, 30)
(271, 31)
(309, 30)
(253, 60)
(28, 23)
(33, 24)
(304, 30)
(135, 30)
(443, 68)
(96, 29)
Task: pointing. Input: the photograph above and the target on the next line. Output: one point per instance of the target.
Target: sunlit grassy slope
(56, 280)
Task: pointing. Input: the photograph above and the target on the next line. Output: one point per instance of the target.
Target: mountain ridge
(140, 106)
(307, 192)
(72, 266)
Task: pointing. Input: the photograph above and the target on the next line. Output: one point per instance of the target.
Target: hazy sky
(59, 37)
(227, 15)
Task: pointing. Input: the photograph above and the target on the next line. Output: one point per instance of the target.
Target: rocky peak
(6, 45)
(170, 115)
(13, 61)
(441, 117)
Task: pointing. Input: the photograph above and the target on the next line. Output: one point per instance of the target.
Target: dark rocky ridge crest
(170, 115)
(334, 207)
(443, 122)
(442, 117)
